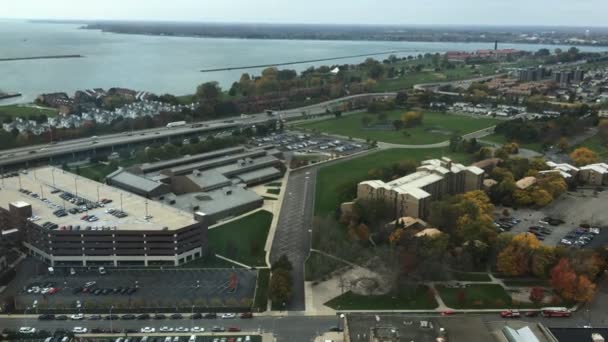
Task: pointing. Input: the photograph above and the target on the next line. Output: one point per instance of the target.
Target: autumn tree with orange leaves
(583, 156)
(516, 258)
(569, 285)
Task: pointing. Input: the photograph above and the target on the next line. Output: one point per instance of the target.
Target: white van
(192, 338)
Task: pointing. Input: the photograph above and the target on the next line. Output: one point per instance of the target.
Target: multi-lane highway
(286, 328)
(44, 152)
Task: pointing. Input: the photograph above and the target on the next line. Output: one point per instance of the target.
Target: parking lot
(299, 142)
(583, 207)
(126, 289)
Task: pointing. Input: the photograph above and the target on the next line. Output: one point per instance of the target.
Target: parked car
(177, 316)
(80, 330)
(77, 317)
(246, 315)
(510, 314)
(148, 330)
(227, 316)
(27, 330)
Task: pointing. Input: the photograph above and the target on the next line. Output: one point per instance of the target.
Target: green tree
(209, 91)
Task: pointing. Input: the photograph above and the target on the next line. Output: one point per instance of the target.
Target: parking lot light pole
(111, 330)
(192, 318)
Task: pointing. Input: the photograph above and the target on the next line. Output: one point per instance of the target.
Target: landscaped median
(420, 298)
(243, 239)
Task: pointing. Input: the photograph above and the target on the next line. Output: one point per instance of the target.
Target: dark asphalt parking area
(205, 288)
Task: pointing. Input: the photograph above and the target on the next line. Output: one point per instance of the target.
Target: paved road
(293, 230)
(288, 328)
(23, 154)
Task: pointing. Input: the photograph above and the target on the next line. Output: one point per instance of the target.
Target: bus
(176, 124)
(555, 312)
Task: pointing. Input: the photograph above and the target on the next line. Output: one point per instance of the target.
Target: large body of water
(167, 64)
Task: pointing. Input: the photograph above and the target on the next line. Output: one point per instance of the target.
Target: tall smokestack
(495, 45)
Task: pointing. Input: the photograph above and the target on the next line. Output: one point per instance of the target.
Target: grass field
(244, 239)
(331, 178)
(482, 296)
(25, 111)
(420, 299)
(435, 127)
(595, 144)
(273, 191)
(410, 79)
(96, 171)
(501, 140)
(210, 261)
(260, 302)
(464, 276)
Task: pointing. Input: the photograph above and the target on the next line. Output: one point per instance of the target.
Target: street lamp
(24, 314)
(340, 318)
(192, 317)
(111, 330)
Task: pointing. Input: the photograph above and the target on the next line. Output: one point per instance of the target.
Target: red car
(246, 315)
(447, 313)
(234, 329)
(53, 290)
(510, 314)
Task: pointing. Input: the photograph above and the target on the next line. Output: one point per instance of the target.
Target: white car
(181, 329)
(165, 329)
(148, 330)
(80, 330)
(197, 330)
(77, 317)
(227, 316)
(27, 330)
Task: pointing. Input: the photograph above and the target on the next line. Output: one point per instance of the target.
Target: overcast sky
(467, 12)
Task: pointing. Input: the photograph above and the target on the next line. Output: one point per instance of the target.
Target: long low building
(64, 222)
(411, 195)
(212, 183)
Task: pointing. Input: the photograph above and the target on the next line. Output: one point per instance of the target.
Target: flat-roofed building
(146, 232)
(594, 174)
(411, 195)
(525, 182)
(136, 184)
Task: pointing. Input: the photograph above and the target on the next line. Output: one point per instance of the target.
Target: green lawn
(595, 144)
(501, 140)
(410, 79)
(526, 282)
(244, 239)
(261, 293)
(25, 111)
(436, 127)
(96, 171)
(331, 179)
(482, 296)
(273, 191)
(210, 261)
(464, 276)
(419, 299)
(273, 184)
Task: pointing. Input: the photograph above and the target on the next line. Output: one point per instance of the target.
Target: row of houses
(96, 115)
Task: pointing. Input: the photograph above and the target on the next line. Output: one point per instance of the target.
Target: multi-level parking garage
(68, 220)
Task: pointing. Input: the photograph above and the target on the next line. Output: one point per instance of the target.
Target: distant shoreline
(4, 96)
(39, 57)
(301, 62)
